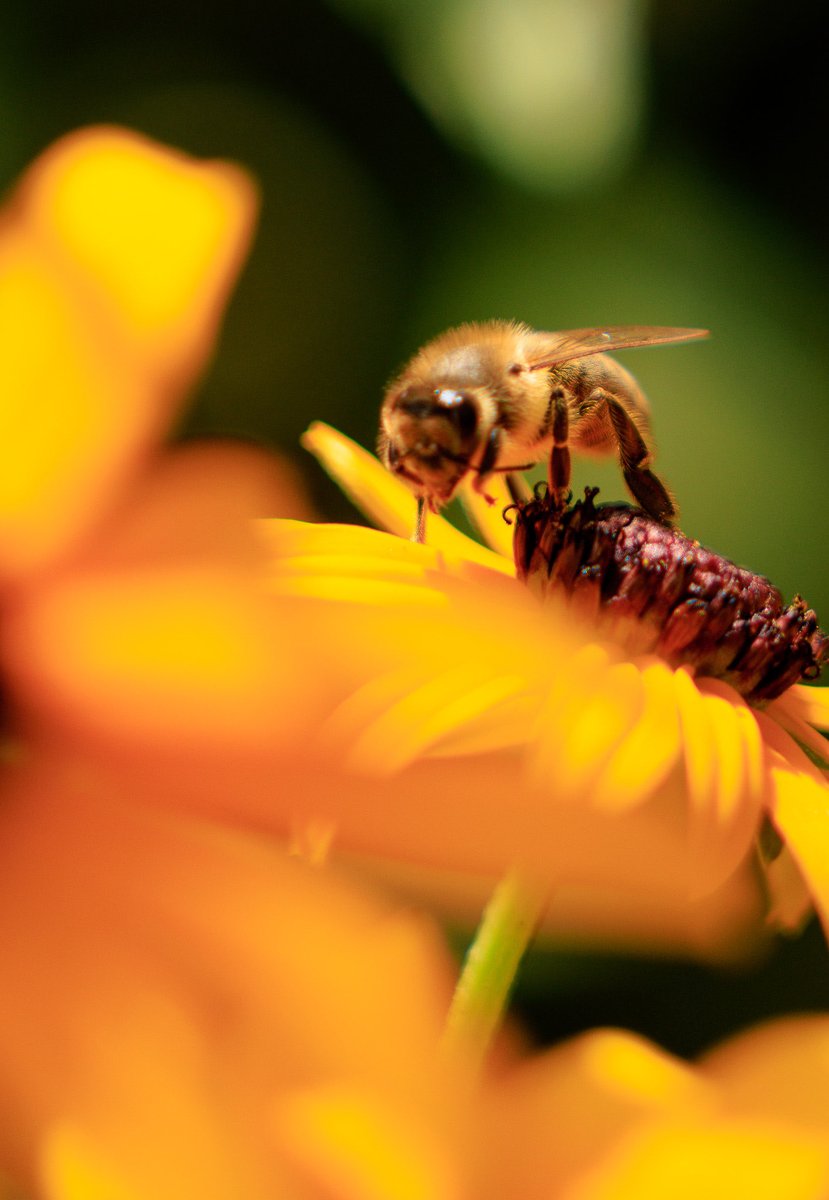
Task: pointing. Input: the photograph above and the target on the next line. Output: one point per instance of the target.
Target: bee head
(429, 437)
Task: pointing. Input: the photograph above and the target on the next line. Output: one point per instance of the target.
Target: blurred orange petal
(179, 658)
(811, 704)
(196, 504)
(349, 563)
(608, 1115)
(161, 634)
(116, 257)
(719, 1160)
(399, 719)
(798, 719)
(156, 237)
(643, 759)
(165, 997)
(790, 905)
(603, 703)
(352, 1145)
(778, 1070)
(799, 810)
(555, 1116)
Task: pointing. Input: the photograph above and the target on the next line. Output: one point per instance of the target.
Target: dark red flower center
(660, 591)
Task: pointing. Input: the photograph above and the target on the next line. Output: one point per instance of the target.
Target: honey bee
(499, 396)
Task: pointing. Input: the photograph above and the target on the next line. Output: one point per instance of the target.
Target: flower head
(478, 727)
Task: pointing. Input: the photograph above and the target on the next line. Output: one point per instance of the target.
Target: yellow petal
(810, 703)
(197, 503)
(411, 717)
(797, 719)
(730, 776)
(591, 708)
(102, 325)
(789, 900)
(699, 747)
(722, 740)
(350, 564)
(738, 733)
(350, 1144)
(648, 752)
(506, 722)
(155, 235)
(389, 609)
(386, 500)
(719, 1160)
(799, 809)
(74, 1168)
(164, 997)
(778, 1070)
(559, 1114)
(189, 659)
(753, 756)
(161, 623)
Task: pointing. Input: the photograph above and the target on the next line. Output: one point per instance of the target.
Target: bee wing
(579, 343)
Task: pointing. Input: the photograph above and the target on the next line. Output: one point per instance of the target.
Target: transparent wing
(579, 343)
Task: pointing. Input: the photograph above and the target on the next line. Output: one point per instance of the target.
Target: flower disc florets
(660, 591)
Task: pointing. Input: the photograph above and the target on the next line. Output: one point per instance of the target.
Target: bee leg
(419, 534)
(649, 491)
(488, 462)
(517, 488)
(558, 472)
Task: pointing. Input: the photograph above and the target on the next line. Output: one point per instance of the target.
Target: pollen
(659, 591)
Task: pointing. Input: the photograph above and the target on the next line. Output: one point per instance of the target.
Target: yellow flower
(609, 1115)
(478, 727)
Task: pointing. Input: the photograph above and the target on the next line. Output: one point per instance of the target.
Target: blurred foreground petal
(174, 982)
(607, 1115)
(160, 634)
(116, 257)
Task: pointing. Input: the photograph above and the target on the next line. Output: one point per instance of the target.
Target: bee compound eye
(461, 409)
(467, 417)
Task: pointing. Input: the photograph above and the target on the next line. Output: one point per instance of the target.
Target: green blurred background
(564, 162)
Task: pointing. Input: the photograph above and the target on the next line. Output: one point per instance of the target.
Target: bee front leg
(489, 461)
(635, 456)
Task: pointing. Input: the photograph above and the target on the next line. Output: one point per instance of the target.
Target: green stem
(490, 966)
